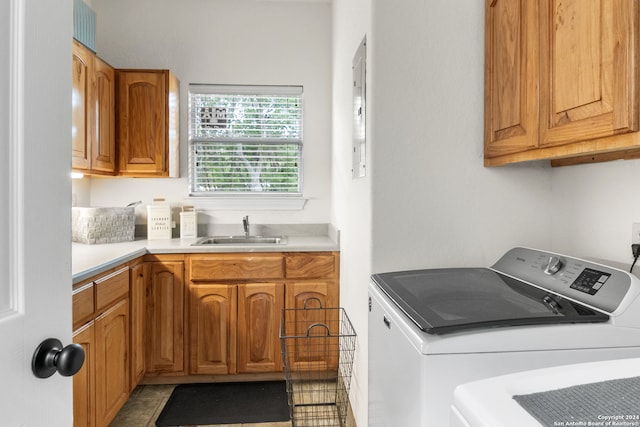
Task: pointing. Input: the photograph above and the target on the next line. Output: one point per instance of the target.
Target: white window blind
(245, 140)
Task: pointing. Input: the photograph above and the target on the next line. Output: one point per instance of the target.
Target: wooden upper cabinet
(561, 80)
(93, 113)
(588, 56)
(147, 115)
(511, 76)
(103, 147)
(81, 74)
(144, 142)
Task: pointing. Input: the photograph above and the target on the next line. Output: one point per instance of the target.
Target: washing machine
(431, 330)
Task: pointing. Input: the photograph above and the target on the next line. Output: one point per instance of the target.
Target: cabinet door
(259, 310)
(316, 350)
(213, 328)
(142, 109)
(589, 69)
(138, 315)
(84, 412)
(165, 317)
(511, 76)
(81, 75)
(112, 362)
(312, 294)
(103, 147)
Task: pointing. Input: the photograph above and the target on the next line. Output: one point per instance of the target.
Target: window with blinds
(245, 140)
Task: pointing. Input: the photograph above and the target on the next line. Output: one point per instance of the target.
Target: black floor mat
(225, 403)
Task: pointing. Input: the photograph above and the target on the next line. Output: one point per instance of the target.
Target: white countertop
(89, 260)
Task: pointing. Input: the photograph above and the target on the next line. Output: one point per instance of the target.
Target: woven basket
(102, 225)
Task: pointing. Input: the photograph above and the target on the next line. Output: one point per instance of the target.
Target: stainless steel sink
(241, 240)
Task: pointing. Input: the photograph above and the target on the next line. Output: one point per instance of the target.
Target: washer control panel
(590, 281)
(596, 285)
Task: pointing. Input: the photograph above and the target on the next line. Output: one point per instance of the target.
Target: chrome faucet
(245, 224)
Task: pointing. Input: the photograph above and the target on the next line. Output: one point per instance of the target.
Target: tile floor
(146, 403)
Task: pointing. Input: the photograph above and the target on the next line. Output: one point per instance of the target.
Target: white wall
(228, 42)
(352, 197)
(427, 200)
(434, 204)
(593, 209)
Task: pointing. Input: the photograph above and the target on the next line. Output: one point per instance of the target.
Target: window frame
(241, 90)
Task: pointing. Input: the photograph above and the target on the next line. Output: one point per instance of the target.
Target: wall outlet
(635, 233)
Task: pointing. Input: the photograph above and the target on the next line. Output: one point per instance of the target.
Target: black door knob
(50, 357)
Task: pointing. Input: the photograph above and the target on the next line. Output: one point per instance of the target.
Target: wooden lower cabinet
(213, 321)
(312, 280)
(234, 328)
(177, 315)
(306, 297)
(101, 325)
(312, 294)
(138, 323)
(165, 318)
(112, 362)
(84, 412)
(259, 310)
(236, 302)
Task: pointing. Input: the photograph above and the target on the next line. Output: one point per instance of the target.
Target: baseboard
(191, 379)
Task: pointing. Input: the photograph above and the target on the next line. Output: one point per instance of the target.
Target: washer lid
(440, 301)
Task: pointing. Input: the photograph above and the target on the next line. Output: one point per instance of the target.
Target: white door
(35, 191)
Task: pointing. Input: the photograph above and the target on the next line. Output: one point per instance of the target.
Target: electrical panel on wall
(359, 152)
